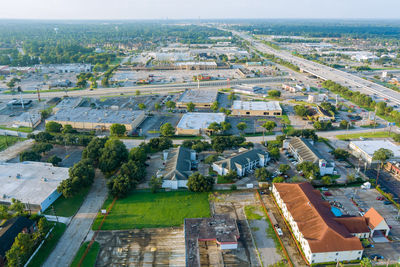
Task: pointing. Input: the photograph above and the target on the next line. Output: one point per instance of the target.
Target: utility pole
(54, 212)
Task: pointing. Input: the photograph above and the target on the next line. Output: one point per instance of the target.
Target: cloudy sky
(179, 9)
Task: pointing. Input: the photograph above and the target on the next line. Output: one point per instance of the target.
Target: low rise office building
(200, 98)
(366, 149)
(33, 183)
(256, 108)
(193, 123)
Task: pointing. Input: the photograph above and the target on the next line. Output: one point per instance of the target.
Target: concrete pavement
(79, 227)
(15, 149)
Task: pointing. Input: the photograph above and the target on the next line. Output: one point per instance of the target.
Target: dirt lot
(146, 247)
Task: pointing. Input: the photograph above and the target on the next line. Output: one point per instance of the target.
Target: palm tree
(381, 155)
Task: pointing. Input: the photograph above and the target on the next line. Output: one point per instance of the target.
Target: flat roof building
(256, 108)
(33, 183)
(366, 149)
(322, 236)
(200, 98)
(193, 123)
(98, 119)
(220, 228)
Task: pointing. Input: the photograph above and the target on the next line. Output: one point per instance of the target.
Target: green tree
(53, 127)
(301, 110)
(309, 169)
(274, 153)
(54, 160)
(214, 106)
(117, 129)
(284, 168)
(200, 183)
(29, 156)
(231, 96)
(167, 130)
(269, 125)
(215, 127)
(381, 155)
(157, 106)
(278, 179)
(262, 174)
(274, 93)
(226, 126)
(241, 126)
(20, 250)
(171, 105)
(42, 148)
(340, 154)
(210, 159)
(366, 262)
(43, 226)
(344, 124)
(138, 154)
(93, 150)
(190, 106)
(155, 183)
(112, 156)
(322, 126)
(119, 186)
(137, 93)
(326, 180)
(141, 106)
(68, 129)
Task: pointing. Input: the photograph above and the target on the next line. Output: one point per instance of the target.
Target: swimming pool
(336, 211)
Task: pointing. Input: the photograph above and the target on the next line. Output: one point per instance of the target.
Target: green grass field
(365, 135)
(253, 212)
(48, 245)
(19, 129)
(67, 207)
(7, 141)
(148, 210)
(90, 258)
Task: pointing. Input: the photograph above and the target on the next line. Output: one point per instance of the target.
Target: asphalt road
(79, 227)
(354, 82)
(386, 181)
(159, 88)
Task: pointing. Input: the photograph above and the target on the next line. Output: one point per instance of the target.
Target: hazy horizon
(206, 9)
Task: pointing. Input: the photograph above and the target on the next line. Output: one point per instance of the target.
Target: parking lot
(366, 199)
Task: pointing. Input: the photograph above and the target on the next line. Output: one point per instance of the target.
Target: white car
(279, 231)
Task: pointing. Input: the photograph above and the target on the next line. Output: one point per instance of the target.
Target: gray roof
(178, 165)
(305, 149)
(241, 159)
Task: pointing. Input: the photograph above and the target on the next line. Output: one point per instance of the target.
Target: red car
(327, 194)
(380, 198)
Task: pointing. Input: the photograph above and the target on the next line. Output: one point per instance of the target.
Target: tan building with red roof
(376, 222)
(322, 236)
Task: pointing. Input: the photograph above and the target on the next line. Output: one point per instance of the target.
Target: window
(337, 253)
(247, 113)
(359, 252)
(266, 113)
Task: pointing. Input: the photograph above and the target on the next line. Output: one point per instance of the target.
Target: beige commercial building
(201, 98)
(197, 123)
(256, 108)
(98, 119)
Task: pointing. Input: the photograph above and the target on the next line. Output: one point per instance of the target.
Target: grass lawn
(187, 137)
(90, 258)
(148, 210)
(365, 135)
(67, 207)
(253, 212)
(48, 245)
(222, 180)
(7, 141)
(258, 134)
(19, 129)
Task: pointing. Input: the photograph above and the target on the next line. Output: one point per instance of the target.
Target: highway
(354, 82)
(159, 88)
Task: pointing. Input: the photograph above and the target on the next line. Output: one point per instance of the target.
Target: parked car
(376, 256)
(279, 231)
(324, 189)
(387, 202)
(380, 198)
(328, 194)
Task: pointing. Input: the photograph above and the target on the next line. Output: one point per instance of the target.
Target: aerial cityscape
(187, 138)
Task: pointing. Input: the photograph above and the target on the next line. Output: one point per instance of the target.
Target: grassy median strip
(48, 245)
(90, 259)
(380, 134)
(148, 210)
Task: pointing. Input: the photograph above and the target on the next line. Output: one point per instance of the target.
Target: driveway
(79, 227)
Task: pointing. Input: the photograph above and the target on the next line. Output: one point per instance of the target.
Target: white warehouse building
(366, 149)
(33, 183)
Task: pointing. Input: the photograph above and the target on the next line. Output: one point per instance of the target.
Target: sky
(195, 9)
